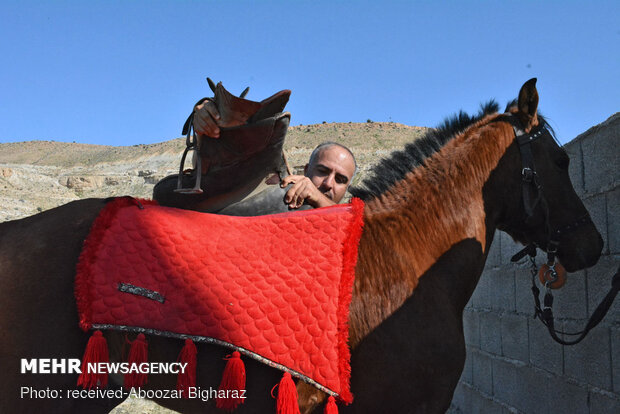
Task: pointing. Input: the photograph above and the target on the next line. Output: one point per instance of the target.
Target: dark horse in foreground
(431, 213)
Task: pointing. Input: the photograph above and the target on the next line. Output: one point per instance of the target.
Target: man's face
(331, 172)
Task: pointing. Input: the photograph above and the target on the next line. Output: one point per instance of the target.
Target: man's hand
(206, 117)
(303, 189)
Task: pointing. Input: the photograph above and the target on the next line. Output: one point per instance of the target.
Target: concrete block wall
(513, 365)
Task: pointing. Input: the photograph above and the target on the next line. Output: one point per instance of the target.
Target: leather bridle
(530, 184)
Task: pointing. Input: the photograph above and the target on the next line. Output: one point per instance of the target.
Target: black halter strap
(528, 171)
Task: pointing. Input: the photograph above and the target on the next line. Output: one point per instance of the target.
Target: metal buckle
(528, 174)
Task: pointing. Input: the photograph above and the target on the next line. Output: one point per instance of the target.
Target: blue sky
(129, 72)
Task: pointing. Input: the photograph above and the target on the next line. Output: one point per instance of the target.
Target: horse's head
(540, 204)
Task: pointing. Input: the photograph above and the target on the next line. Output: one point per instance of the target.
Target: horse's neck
(433, 209)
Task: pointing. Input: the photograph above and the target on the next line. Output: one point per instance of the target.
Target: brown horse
(431, 213)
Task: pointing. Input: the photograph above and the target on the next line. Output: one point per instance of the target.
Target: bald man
(326, 178)
(327, 175)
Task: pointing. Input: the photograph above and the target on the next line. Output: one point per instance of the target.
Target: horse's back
(44, 242)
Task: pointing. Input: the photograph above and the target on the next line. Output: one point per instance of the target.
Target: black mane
(394, 168)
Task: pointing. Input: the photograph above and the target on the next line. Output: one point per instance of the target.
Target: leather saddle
(239, 172)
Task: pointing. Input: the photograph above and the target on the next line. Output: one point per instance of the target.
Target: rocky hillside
(39, 175)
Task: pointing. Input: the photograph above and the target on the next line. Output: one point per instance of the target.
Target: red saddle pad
(276, 288)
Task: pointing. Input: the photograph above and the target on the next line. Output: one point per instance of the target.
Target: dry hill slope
(39, 175)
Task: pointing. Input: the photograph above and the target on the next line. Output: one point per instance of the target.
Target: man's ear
(306, 169)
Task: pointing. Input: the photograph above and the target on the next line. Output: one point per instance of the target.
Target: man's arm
(303, 190)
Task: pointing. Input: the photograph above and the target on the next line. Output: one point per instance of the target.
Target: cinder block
(598, 280)
(537, 391)
(515, 342)
(509, 410)
(613, 220)
(458, 401)
(596, 206)
(590, 360)
(475, 299)
(481, 296)
(471, 328)
(570, 302)
(502, 289)
(524, 301)
(482, 372)
(604, 402)
(601, 153)
(494, 257)
(482, 404)
(615, 358)
(467, 374)
(575, 168)
(490, 333)
(453, 409)
(545, 353)
(461, 401)
(565, 397)
(506, 379)
(531, 393)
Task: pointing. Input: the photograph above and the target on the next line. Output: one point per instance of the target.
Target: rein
(545, 314)
(551, 273)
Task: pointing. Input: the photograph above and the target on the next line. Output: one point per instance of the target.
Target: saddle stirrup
(197, 171)
(190, 145)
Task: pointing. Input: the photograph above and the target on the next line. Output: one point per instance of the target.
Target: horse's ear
(528, 99)
(211, 84)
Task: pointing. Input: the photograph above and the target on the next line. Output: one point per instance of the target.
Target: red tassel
(96, 351)
(233, 382)
(287, 396)
(137, 355)
(331, 407)
(187, 378)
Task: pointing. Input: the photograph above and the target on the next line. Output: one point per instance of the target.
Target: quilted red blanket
(275, 288)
